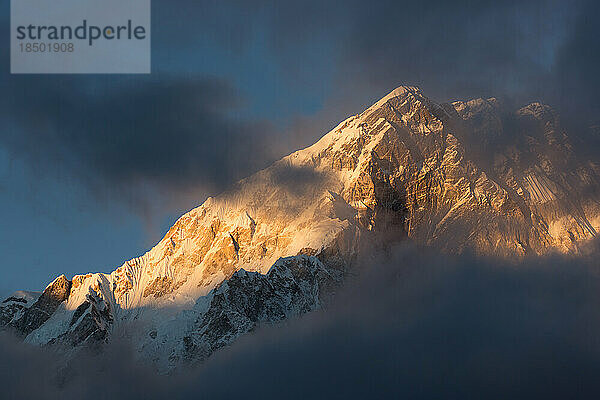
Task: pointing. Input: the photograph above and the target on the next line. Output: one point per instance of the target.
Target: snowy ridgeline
(273, 246)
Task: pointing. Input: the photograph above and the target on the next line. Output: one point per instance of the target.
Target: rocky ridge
(465, 175)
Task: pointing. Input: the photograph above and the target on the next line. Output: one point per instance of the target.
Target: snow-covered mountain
(465, 175)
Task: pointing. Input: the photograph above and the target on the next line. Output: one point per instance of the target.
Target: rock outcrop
(466, 175)
(35, 316)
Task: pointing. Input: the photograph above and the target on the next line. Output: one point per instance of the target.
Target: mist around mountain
(416, 323)
(417, 249)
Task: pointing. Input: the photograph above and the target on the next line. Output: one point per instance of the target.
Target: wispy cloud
(416, 324)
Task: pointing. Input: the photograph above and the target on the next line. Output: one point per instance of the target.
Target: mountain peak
(398, 92)
(406, 167)
(61, 279)
(402, 89)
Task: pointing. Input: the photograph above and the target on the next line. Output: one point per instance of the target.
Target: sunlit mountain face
(469, 177)
(300, 200)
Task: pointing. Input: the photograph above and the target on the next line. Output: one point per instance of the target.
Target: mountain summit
(466, 175)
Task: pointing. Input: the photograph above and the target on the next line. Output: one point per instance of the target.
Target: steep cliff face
(293, 286)
(466, 175)
(530, 156)
(33, 317)
(12, 308)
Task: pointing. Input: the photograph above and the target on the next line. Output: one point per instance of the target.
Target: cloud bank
(415, 324)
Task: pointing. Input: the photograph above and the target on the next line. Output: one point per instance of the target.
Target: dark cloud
(524, 51)
(578, 58)
(136, 138)
(127, 130)
(296, 180)
(426, 326)
(453, 49)
(178, 129)
(576, 79)
(416, 324)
